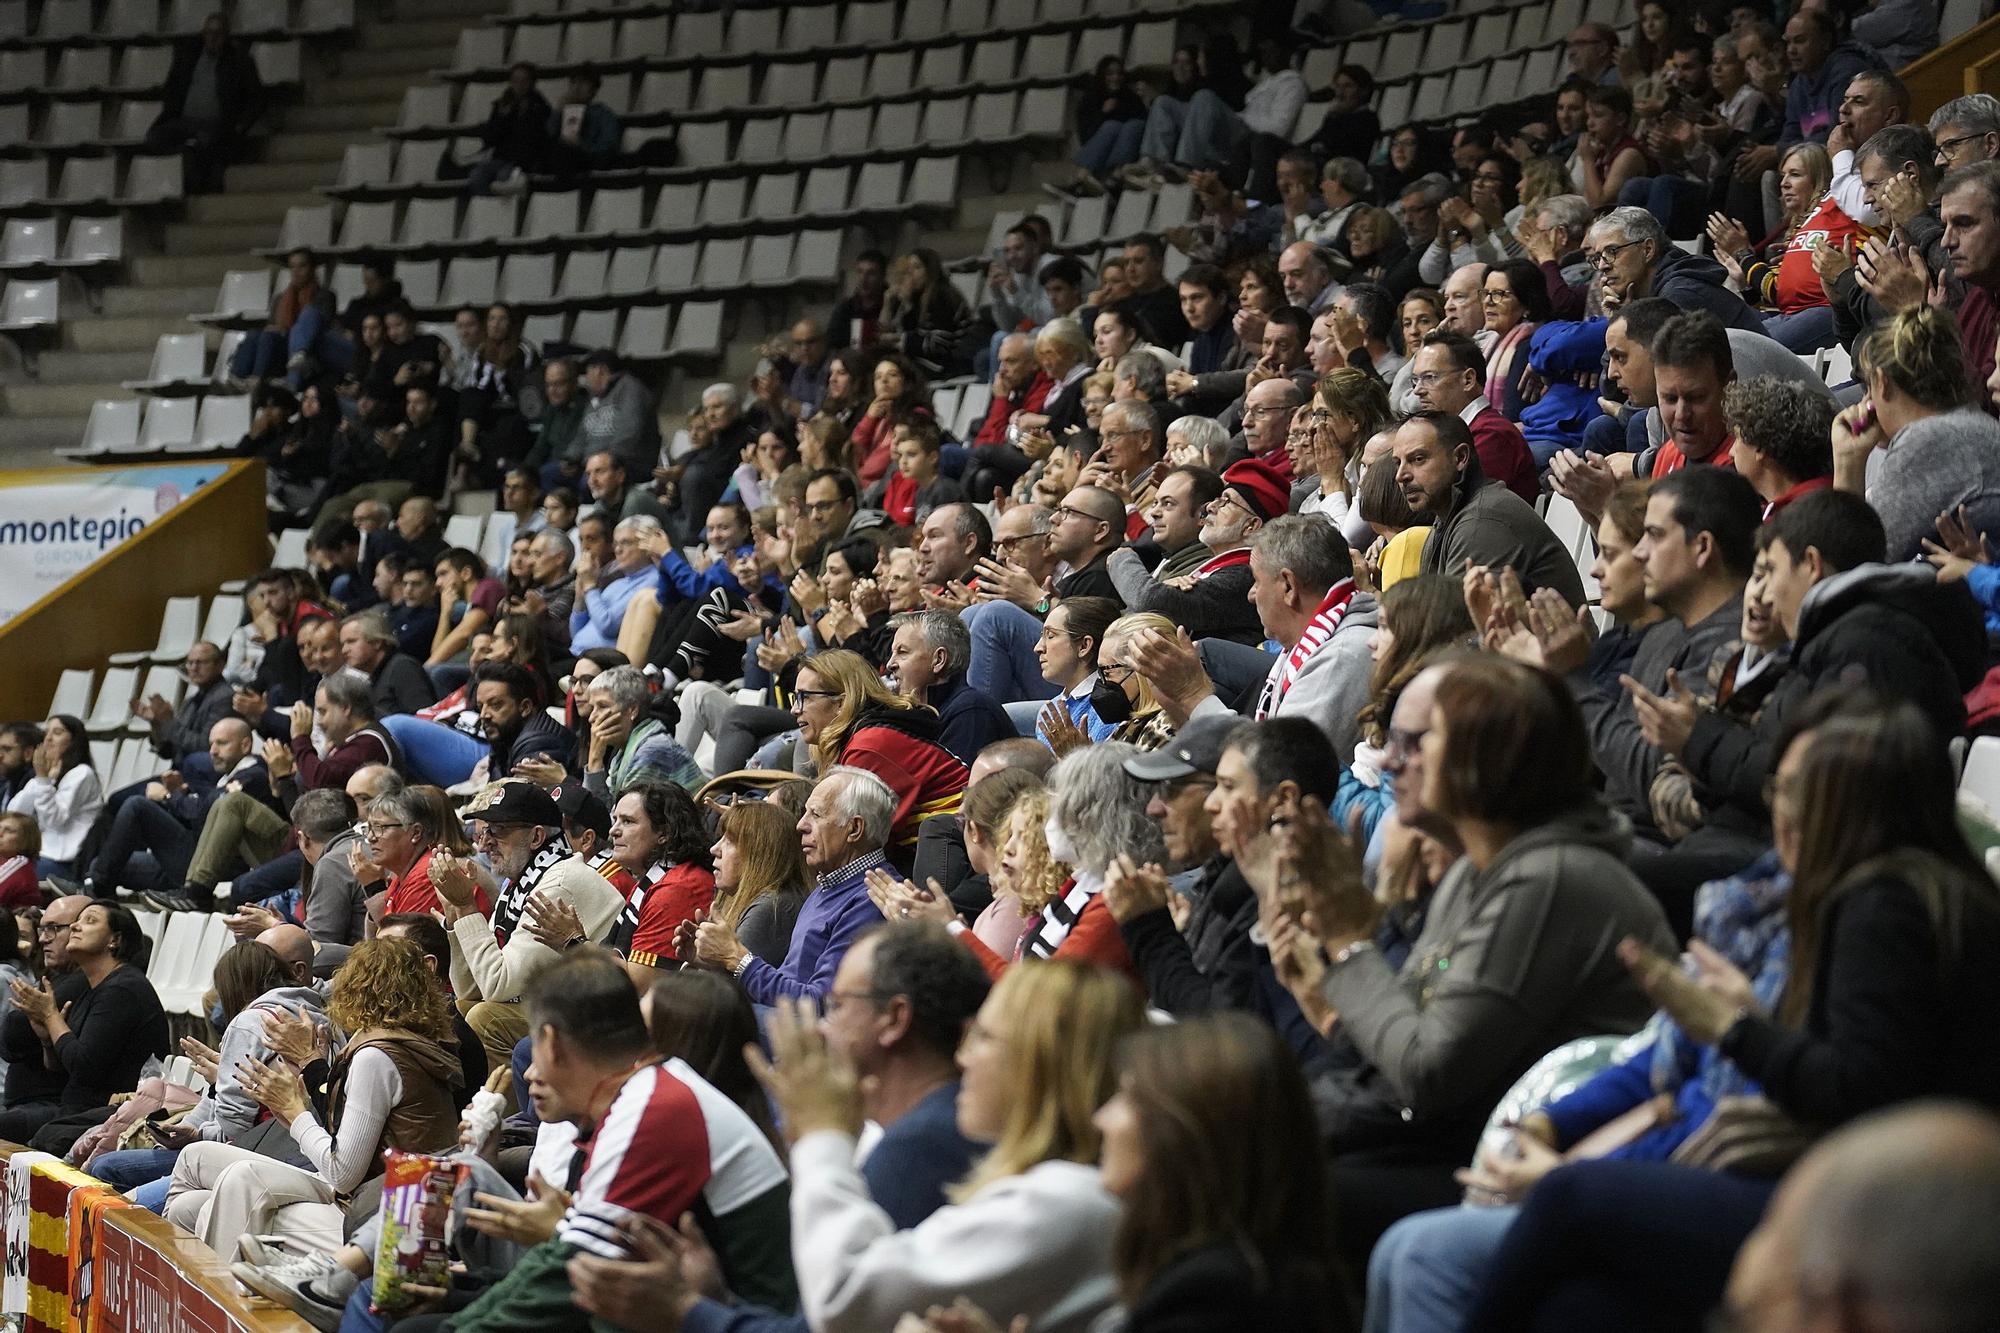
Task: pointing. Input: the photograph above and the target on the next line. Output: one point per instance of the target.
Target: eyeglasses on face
(1066, 511)
(821, 508)
(375, 830)
(1603, 259)
(807, 696)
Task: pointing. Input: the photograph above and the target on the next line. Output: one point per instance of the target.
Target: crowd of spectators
(1117, 864)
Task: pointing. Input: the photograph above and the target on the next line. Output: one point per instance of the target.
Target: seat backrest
(114, 425)
(169, 424)
(244, 292)
(583, 274)
(528, 278)
(178, 357)
(29, 302)
(224, 420)
(29, 241)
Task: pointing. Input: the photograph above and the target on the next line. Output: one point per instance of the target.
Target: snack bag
(417, 1190)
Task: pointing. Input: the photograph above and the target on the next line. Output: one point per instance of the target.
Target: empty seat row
(822, 27)
(553, 219)
(130, 69)
(125, 427)
(647, 333)
(181, 364)
(88, 181)
(809, 137)
(87, 242)
(730, 82)
(84, 22)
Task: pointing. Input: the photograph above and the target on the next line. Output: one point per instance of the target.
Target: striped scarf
(1318, 632)
(1051, 926)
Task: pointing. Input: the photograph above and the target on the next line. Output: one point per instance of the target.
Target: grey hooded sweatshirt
(228, 1110)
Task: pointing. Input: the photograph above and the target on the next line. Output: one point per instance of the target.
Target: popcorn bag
(417, 1190)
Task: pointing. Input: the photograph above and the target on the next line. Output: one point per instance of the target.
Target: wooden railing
(1969, 63)
(113, 605)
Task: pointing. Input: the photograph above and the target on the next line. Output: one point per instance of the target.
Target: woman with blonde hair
(848, 716)
(394, 1084)
(1031, 1230)
(1778, 275)
(1123, 696)
(760, 877)
(1939, 451)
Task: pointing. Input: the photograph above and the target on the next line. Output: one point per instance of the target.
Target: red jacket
(901, 748)
(993, 430)
(1503, 454)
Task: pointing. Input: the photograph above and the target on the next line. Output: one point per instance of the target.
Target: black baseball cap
(579, 805)
(1197, 748)
(515, 802)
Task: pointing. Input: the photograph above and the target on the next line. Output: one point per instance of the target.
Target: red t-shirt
(1798, 283)
(412, 891)
(899, 500)
(674, 897)
(1670, 458)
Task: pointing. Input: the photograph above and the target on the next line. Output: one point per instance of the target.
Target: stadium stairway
(351, 85)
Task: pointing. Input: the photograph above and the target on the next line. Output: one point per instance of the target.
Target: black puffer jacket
(1892, 628)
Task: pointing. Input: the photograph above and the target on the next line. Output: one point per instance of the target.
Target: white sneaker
(286, 1286)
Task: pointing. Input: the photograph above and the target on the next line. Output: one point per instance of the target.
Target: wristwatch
(1359, 946)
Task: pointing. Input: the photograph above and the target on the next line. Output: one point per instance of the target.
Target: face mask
(1108, 701)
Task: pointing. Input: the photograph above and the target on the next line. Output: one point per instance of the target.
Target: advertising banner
(56, 522)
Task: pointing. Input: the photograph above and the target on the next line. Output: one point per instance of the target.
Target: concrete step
(318, 147)
(400, 33)
(267, 177)
(163, 300)
(248, 206)
(31, 441)
(58, 400)
(405, 60)
(359, 118)
(73, 368)
(363, 84)
(415, 11)
(191, 271)
(220, 238)
(126, 334)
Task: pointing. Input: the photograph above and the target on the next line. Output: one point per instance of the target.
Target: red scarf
(1227, 560)
(1318, 632)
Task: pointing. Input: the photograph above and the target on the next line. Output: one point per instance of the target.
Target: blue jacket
(595, 621)
(1561, 352)
(683, 578)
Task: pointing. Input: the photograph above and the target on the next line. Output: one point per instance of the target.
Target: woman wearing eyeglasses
(848, 716)
(402, 833)
(1515, 301)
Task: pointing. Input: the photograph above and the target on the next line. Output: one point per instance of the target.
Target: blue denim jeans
(1114, 144)
(434, 752)
(1803, 331)
(1426, 1270)
(1003, 652)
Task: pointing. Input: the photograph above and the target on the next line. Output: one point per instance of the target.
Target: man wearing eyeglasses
(1966, 130)
(1634, 259)
(1211, 597)
(1449, 372)
(179, 733)
(29, 1078)
(1592, 53)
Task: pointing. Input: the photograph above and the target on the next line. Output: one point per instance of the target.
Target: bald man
(152, 836)
(294, 949)
(1884, 1225)
(29, 1079)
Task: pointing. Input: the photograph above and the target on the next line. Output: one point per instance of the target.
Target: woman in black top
(101, 1039)
(1890, 997)
(1211, 1144)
